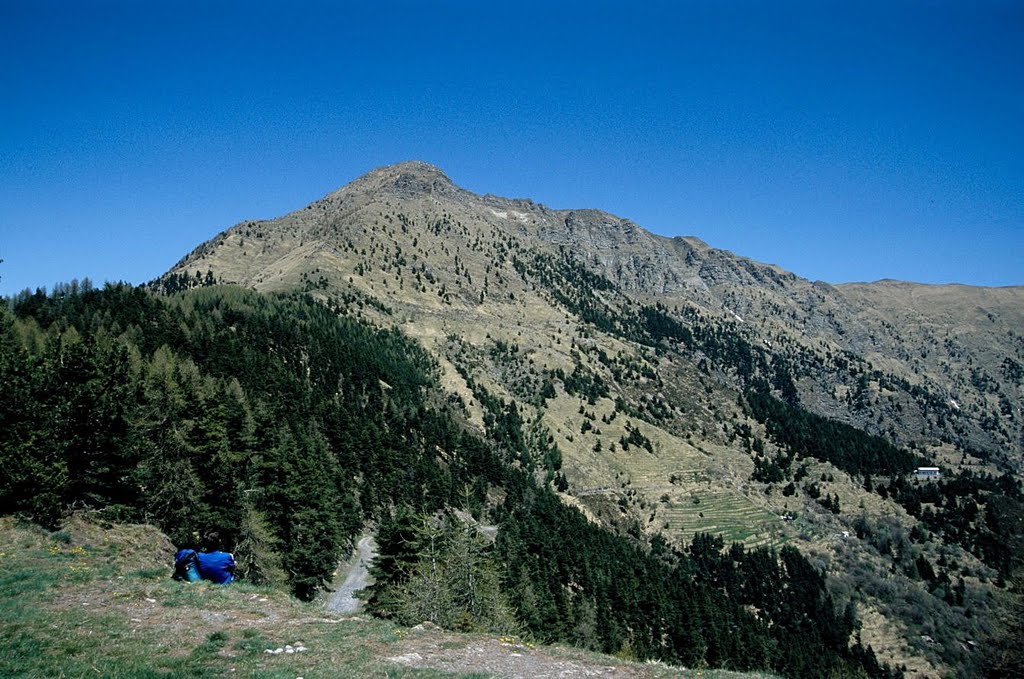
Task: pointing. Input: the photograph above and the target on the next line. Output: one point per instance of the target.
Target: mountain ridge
(363, 237)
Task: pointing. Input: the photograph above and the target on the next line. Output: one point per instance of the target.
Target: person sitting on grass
(217, 567)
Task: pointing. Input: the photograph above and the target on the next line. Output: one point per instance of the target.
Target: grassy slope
(98, 601)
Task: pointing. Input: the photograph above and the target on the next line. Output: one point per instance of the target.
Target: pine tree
(256, 551)
(35, 473)
(450, 580)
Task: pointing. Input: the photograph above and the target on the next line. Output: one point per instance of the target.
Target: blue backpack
(186, 566)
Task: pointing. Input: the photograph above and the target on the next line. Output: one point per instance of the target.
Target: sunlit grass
(69, 609)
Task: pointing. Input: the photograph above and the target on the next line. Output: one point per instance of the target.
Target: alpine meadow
(556, 425)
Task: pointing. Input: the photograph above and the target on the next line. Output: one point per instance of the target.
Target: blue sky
(842, 141)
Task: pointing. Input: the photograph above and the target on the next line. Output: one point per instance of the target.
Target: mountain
(683, 388)
(277, 428)
(493, 354)
(441, 259)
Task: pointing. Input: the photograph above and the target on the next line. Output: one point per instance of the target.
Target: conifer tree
(257, 550)
(450, 579)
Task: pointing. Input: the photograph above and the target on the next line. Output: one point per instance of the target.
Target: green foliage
(442, 570)
(186, 410)
(397, 556)
(571, 581)
(767, 471)
(981, 512)
(270, 426)
(583, 382)
(1005, 654)
(257, 551)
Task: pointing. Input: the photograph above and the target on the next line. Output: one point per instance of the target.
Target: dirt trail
(357, 577)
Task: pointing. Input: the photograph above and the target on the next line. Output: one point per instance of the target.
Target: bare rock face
(412, 178)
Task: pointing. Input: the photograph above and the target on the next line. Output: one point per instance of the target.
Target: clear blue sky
(841, 140)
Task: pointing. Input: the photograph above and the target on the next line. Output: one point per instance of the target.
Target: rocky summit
(679, 389)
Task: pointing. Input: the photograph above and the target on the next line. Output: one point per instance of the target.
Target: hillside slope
(274, 427)
(442, 259)
(686, 389)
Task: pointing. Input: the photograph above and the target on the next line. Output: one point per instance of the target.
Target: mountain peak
(408, 178)
(417, 168)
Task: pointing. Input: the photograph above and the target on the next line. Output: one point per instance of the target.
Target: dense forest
(278, 427)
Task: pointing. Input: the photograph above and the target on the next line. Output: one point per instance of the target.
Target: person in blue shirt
(217, 567)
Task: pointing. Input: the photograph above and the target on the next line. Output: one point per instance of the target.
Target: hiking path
(356, 577)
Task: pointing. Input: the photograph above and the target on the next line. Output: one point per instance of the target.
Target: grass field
(98, 601)
(67, 608)
(699, 484)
